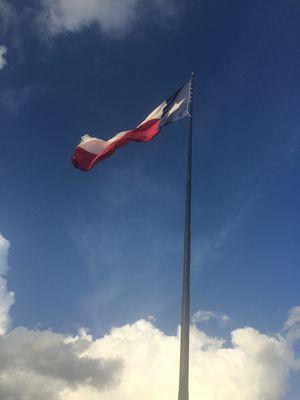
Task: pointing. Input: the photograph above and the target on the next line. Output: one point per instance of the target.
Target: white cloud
(140, 361)
(112, 16)
(204, 316)
(6, 297)
(254, 367)
(3, 52)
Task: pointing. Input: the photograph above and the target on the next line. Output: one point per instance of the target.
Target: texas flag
(91, 150)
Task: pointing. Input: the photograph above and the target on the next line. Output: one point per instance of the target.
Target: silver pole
(183, 393)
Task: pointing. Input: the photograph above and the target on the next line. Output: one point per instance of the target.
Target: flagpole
(183, 393)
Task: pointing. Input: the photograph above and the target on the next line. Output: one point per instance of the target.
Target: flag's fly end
(92, 150)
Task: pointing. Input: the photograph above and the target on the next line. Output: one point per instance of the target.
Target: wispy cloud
(3, 52)
(211, 249)
(13, 99)
(8, 17)
(10, 22)
(6, 297)
(108, 243)
(293, 319)
(291, 327)
(122, 187)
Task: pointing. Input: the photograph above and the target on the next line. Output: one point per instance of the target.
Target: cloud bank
(139, 361)
(112, 16)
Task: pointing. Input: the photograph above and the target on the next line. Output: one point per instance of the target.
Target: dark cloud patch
(39, 364)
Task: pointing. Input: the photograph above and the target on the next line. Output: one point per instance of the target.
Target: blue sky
(104, 249)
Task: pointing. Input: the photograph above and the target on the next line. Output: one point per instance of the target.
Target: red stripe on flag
(85, 160)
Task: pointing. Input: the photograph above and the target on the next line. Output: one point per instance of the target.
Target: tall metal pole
(183, 393)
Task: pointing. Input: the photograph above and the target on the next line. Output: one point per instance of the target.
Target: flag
(91, 150)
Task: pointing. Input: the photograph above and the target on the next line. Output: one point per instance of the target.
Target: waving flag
(92, 150)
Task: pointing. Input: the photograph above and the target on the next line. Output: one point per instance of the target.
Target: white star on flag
(175, 107)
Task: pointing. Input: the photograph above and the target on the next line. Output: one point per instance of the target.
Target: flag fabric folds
(92, 150)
